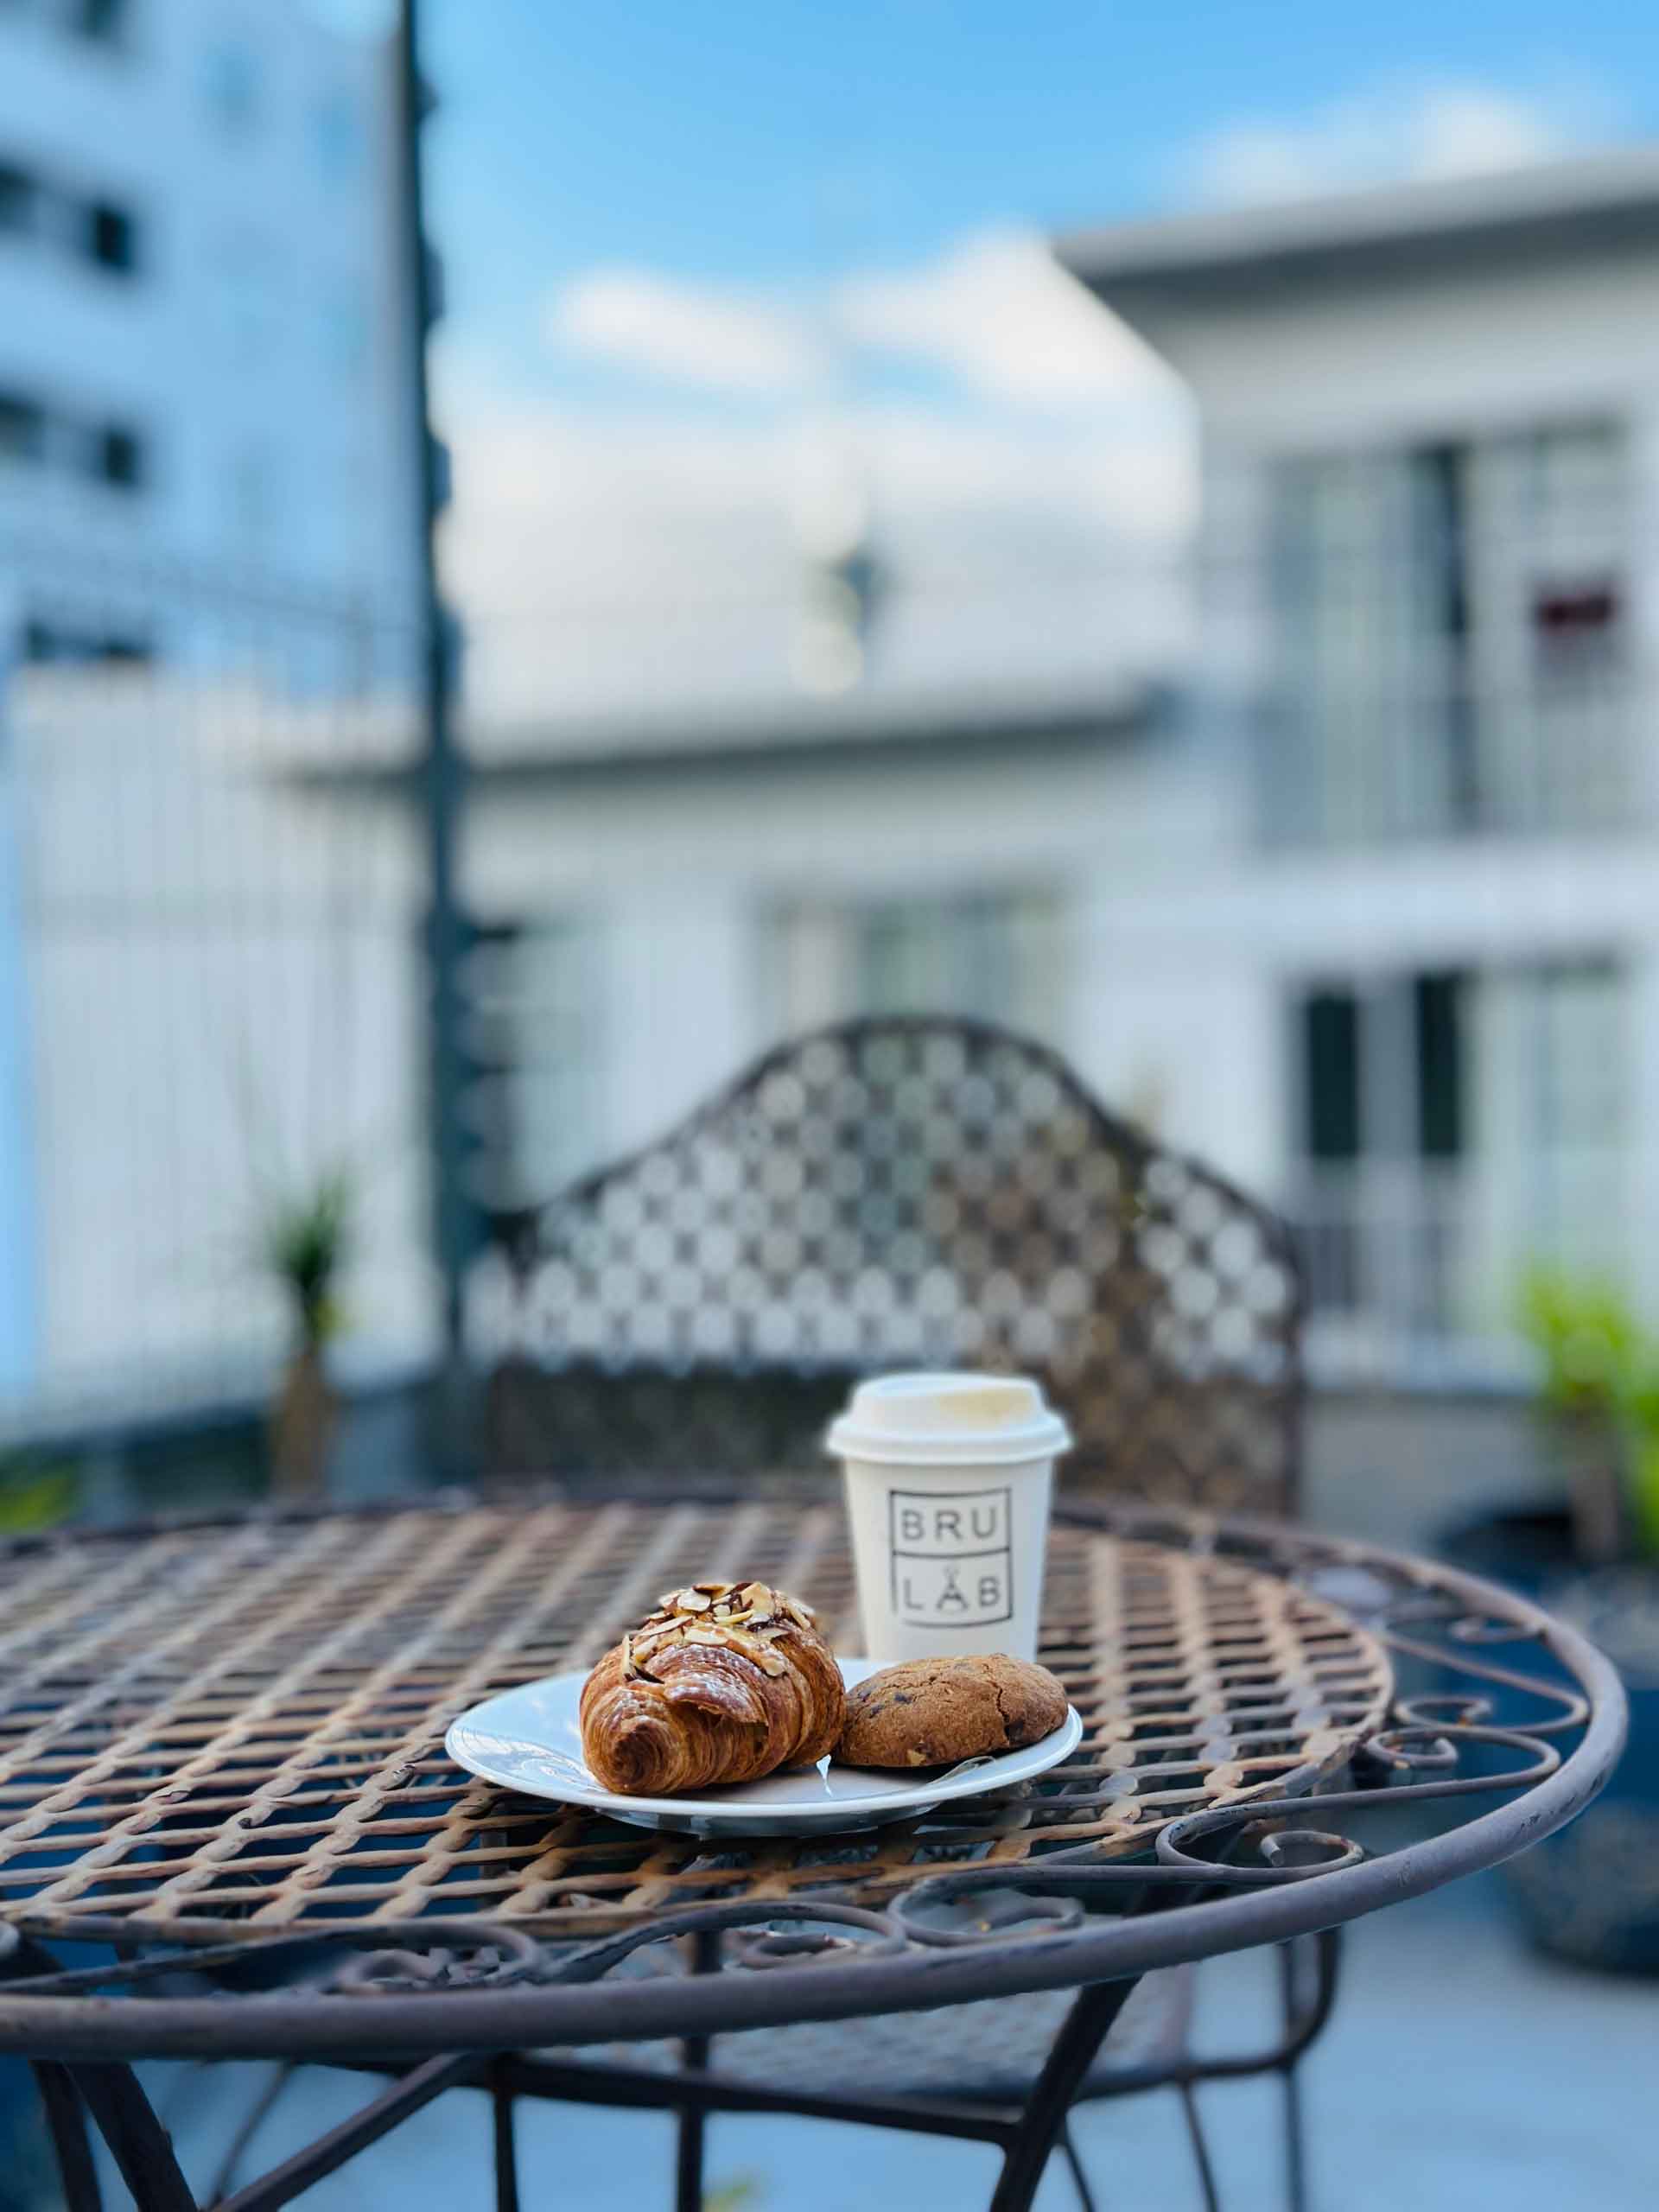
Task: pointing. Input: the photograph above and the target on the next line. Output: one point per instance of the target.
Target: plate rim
(736, 1812)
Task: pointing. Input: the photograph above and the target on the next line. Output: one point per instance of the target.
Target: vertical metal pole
(507, 2149)
(705, 1947)
(442, 769)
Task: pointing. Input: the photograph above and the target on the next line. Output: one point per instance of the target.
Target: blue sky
(716, 271)
(764, 141)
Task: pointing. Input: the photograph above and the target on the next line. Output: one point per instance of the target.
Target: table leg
(506, 2147)
(1049, 2102)
(1295, 2157)
(333, 2150)
(1079, 2174)
(67, 2119)
(1200, 2148)
(252, 2121)
(694, 2054)
(141, 2147)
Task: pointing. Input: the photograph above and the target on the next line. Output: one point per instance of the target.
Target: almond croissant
(726, 1682)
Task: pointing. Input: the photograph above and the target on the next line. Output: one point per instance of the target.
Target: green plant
(36, 1494)
(1589, 1340)
(743, 2193)
(1642, 1415)
(304, 1244)
(1600, 1363)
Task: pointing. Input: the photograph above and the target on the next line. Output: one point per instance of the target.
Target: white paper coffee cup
(948, 1478)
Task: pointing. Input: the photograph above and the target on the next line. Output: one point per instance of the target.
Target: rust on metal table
(238, 1728)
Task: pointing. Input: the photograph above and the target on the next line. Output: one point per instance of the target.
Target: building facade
(203, 343)
(1367, 917)
(208, 539)
(1427, 561)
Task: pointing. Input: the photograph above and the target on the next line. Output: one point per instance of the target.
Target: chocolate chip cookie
(934, 1711)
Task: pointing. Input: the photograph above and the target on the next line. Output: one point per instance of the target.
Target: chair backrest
(898, 1192)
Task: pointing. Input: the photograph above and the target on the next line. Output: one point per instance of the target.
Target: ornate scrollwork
(1464, 1722)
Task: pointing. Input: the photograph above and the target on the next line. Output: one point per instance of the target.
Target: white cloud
(684, 333)
(644, 558)
(998, 314)
(993, 312)
(1424, 131)
(644, 554)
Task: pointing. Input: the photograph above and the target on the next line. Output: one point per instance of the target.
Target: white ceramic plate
(529, 1738)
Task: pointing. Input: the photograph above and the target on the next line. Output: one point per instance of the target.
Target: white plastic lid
(949, 1421)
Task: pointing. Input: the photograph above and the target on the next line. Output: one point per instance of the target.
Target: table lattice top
(240, 1727)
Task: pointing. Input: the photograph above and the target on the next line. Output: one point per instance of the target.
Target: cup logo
(952, 1553)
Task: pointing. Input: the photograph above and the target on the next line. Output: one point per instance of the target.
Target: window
(22, 427)
(19, 202)
(82, 646)
(112, 236)
(995, 955)
(1558, 1043)
(118, 456)
(1383, 1068)
(1450, 642)
(1437, 1022)
(105, 231)
(1456, 1126)
(104, 19)
(535, 1039)
(1330, 1075)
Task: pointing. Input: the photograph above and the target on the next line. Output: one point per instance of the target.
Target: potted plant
(1592, 1893)
(1589, 1353)
(303, 1245)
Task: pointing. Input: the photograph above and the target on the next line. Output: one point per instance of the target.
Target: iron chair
(904, 1192)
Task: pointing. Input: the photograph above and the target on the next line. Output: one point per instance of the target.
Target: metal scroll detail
(1485, 1710)
(239, 1734)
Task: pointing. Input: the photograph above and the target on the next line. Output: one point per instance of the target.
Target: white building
(1372, 921)
(1357, 899)
(208, 511)
(203, 351)
(1430, 591)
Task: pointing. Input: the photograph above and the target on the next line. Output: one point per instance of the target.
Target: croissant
(726, 1682)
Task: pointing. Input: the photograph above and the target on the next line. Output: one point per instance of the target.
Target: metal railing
(209, 978)
(1414, 1268)
(1439, 755)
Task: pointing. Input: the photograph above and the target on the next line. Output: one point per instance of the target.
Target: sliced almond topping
(770, 1661)
(748, 1617)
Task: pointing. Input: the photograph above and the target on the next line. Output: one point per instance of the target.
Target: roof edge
(1181, 252)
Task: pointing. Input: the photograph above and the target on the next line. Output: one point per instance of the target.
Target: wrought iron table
(227, 1827)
